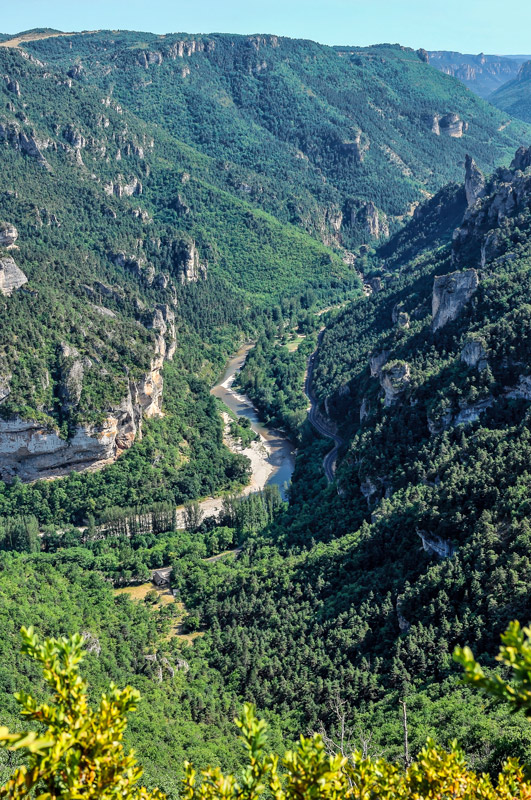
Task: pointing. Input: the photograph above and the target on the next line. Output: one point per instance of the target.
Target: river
(281, 452)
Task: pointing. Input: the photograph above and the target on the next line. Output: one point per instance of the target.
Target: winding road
(320, 425)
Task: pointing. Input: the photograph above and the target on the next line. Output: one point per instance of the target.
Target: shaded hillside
(514, 97)
(362, 590)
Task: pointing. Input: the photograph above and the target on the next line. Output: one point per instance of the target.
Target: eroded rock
(522, 159)
(11, 277)
(395, 378)
(8, 234)
(450, 295)
(474, 355)
(376, 362)
(474, 181)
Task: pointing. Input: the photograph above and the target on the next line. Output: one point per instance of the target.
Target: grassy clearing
(140, 592)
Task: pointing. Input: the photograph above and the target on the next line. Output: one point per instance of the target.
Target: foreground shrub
(81, 755)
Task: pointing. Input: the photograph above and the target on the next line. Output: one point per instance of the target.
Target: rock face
(24, 142)
(365, 214)
(8, 234)
(473, 355)
(474, 181)
(5, 389)
(72, 368)
(164, 322)
(356, 147)
(450, 294)
(11, 277)
(523, 389)
(451, 125)
(189, 266)
(377, 361)
(447, 125)
(403, 320)
(522, 159)
(74, 137)
(30, 450)
(122, 188)
(12, 86)
(394, 380)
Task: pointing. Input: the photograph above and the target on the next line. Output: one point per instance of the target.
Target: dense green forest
(169, 198)
(302, 130)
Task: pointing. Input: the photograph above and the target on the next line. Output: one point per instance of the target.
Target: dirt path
(16, 41)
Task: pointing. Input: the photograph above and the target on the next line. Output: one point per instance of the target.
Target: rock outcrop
(474, 181)
(72, 367)
(366, 215)
(523, 389)
(122, 188)
(395, 378)
(506, 195)
(74, 137)
(163, 322)
(189, 266)
(12, 86)
(11, 277)
(474, 355)
(8, 234)
(377, 361)
(435, 545)
(5, 389)
(450, 295)
(356, 147)
(451, 125)
(31, 450)
(522, 159)
(447, 125)
(25, 142)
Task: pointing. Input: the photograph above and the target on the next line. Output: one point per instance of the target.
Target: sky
(472, 26)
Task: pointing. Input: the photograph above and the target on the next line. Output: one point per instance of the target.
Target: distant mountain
(483, 74)
(515, 96)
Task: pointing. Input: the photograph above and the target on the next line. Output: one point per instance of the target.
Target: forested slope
(300, 129)
(514, 97)
(425, 542)
(162, 198)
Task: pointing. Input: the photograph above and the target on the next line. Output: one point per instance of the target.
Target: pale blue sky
(472, 26)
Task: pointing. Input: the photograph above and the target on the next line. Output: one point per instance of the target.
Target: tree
(81, 755)
(81, 752)
(193, 516)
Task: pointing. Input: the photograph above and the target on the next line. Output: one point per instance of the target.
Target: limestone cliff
(395, 378)
(508, 193)
(8, 234)
(450, 295)
(474, 181)
(31, 450)
(447, 125)
(11, 277)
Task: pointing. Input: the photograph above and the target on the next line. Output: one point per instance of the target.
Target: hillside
(317, 126)
(164, 199)
(514, 97)
(359, 592)
(123, 254)
(482, 74)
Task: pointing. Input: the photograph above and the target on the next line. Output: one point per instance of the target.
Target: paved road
(320, 425)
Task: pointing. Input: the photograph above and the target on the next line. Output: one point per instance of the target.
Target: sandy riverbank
(259, 454)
